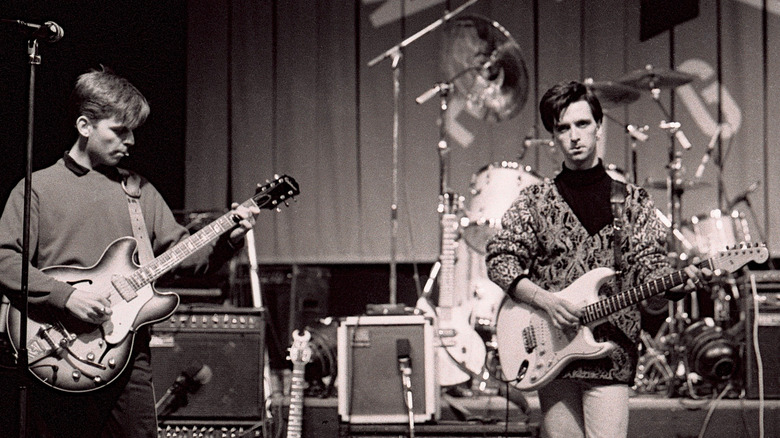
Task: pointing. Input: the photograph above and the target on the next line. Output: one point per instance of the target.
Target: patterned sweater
(543, 240)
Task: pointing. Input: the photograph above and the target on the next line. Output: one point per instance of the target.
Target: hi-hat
(680, 184)
(487, 67)
(612, 94)
(650, 78)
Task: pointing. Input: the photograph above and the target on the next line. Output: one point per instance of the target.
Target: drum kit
(485, 67)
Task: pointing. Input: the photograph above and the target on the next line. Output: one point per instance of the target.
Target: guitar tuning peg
(286, 203)
(276, 176)
(278, 209)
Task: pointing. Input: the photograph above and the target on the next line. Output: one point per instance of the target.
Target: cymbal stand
(635, 134)
(395, 53)
(678, 319)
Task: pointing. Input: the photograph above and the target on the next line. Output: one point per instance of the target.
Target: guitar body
(532, 350)
(456, 343)
(104, 349)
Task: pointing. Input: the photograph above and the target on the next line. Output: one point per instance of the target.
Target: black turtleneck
(587, 192)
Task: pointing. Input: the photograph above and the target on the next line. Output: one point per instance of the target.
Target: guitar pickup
(529, 339)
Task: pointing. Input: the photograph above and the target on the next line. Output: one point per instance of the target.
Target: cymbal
(487, 66)
(650, 78)
(681, 184)
(613, 94)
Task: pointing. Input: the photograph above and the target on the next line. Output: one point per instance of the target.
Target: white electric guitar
(532, 351)
(460, 351)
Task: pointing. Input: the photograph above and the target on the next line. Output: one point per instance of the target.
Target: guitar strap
(131, 184)
(618, 200)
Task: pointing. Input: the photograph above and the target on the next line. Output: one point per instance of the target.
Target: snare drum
(493, 189)
(714, 232)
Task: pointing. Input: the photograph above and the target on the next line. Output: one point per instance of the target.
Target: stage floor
(652, 416)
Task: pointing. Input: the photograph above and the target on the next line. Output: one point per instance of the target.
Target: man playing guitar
(79, 206)
(557, 231)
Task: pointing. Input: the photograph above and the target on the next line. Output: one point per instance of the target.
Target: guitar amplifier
(765, 286)
(369, 380)
(223, 344)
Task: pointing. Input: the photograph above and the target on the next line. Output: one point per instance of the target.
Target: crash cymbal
(487, 67)
(681, 184)
(612, 94)
(650, 78)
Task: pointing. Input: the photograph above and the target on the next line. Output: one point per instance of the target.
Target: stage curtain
(283, 87)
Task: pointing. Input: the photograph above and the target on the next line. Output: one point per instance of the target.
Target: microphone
(403, 350)
(674, 128)
(710, 146)
(49, 31)
(744, 195)
(190, 380)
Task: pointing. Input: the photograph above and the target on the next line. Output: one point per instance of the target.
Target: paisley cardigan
(542, 239)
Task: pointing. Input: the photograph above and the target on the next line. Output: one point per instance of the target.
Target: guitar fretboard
(607, 306)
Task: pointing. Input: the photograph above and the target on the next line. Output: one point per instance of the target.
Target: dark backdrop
(142, 40)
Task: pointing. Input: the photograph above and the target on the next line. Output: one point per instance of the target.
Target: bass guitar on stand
(533, 351)
(71, 355)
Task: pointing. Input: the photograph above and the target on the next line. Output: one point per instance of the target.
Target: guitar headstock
(300, 353)
(273, 193)
(735, 258)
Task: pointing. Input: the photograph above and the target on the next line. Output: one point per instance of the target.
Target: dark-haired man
(558, 230)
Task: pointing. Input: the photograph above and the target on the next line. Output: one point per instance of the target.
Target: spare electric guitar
(460, 350)
(532, 351)
(75, 356)
(300, 355)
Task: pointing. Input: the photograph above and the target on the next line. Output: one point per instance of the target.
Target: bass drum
(493, 189)
(709, 352)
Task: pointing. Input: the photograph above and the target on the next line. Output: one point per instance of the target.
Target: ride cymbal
(612, 94)
(650, 78)
(487, 67)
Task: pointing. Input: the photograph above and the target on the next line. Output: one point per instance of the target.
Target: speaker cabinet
(765, 286)
(370, 385)
(228, 342)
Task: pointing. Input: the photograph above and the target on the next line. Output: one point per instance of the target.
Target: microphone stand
(23, 358)
(395, 53)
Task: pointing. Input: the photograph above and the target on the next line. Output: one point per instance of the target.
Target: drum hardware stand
(635, 134)
(678, 319)
(396, 53)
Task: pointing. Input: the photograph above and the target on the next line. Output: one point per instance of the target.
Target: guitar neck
(168, 260)
(449, 224)
(295, 418)
(603, 308)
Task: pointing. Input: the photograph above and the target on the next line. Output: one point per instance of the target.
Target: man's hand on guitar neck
(89, 306)
(697, 278)
(245, 218)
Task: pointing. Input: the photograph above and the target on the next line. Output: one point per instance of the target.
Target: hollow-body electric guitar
(533, 351)
(75, 356)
